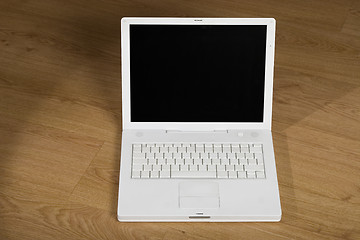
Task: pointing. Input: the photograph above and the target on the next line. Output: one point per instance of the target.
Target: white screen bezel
(203, 126)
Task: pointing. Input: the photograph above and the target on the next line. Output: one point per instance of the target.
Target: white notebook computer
(197, 104)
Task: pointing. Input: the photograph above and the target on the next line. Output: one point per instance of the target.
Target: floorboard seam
(92, 160)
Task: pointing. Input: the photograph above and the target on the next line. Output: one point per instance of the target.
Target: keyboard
(198, 160)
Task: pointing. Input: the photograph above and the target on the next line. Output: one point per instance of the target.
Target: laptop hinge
(197, 131)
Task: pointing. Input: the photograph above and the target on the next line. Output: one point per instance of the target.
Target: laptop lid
(197, 73)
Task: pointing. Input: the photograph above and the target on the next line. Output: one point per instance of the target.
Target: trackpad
(199, 195)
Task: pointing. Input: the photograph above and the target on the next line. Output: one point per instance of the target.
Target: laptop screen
(197, 73)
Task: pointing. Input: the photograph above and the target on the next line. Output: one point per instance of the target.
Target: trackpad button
(199, 202)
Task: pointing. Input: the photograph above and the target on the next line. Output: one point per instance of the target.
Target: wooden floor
(60, 119)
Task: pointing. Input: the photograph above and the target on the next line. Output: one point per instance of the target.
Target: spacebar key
(193, 174)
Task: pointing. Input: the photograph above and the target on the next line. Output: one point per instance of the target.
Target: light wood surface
(60, 119)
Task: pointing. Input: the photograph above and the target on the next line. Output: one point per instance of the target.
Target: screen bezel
(203, 126)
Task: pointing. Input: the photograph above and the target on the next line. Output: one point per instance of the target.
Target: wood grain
(60, 119)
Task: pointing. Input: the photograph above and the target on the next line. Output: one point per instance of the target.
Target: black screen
(197, 73)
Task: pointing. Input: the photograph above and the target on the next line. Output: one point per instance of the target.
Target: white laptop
(197, 103)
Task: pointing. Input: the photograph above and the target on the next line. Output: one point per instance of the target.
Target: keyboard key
(259, 157)
(229, 167)
(199, 148)
(155, 149)
(234, 161)
(184, 167)
(244, 149)
(140, 161)
(208, 149)
(226, 149)
(240, 156)
(251, 175)
(164, 149)
(243, 161)
(200, 161)
(202, 167)
(235, 149)
(215, 161)
(156, 167)
(159, 155)
(170, 161)
(211, 168)
(165, 168)
(137, 168)
(197, 174)
(190, 149)
(193, 167)
(182, 149)
(232, 174)
(241, 174)
(161, 161)
(154, 174)
(152, 161)
(137, 148)
(165, 174)
(135, 174)
(260, 175)
(249, 155)
(145, 149)
(254, 168)
(218, 150)
(224, 161)
(179, 161)
(147, 167)
(139, 155)
(145, 174)
(239, 167)
(256, 149)
(175, 167)
(189, 161)
(222, 175)
(220, 168)
(206, 161)
(252, 161)
(172, 149)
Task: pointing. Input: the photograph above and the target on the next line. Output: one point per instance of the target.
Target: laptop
(197, 104)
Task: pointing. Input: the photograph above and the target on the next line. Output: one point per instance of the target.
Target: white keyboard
(198, 160)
